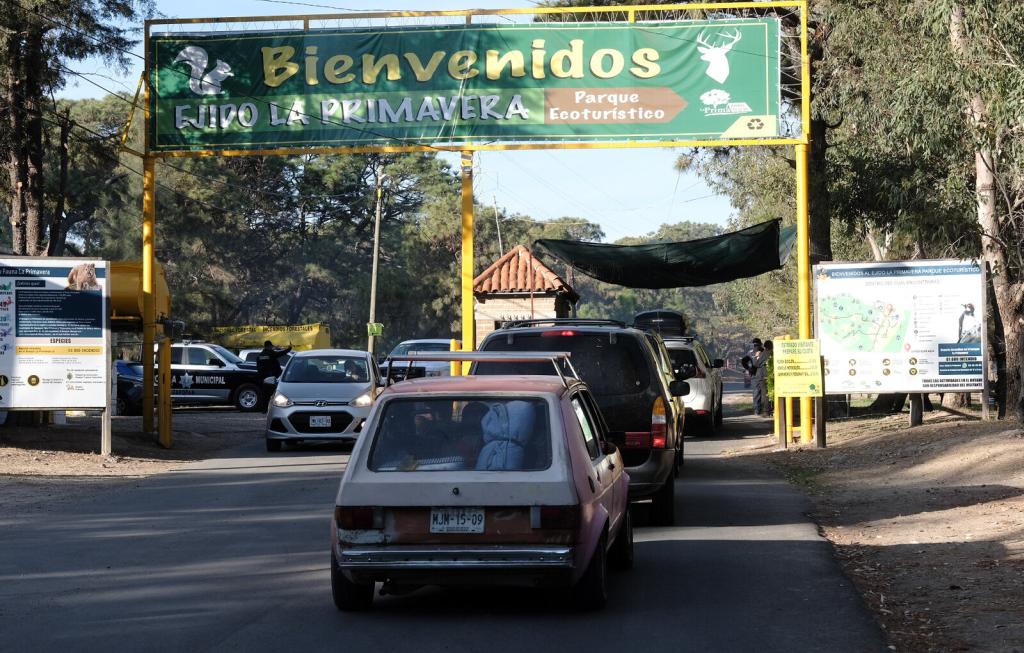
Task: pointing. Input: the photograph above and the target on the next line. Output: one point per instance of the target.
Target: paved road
(232, 554)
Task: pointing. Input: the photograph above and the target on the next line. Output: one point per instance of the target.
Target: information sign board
(797, 368)
(422, 85)
(902, 326)
(53, 328)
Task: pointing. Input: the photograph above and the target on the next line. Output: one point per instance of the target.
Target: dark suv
(635, 397)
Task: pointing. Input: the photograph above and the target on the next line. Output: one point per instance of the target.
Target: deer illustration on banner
(715, 55)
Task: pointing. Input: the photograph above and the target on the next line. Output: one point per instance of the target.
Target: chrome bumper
(415, 558)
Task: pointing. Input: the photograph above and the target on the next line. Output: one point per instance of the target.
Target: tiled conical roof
(519, 271)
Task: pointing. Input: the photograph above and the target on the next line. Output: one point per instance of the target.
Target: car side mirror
(608, 448)
(270, 380)
(617, 438)
(718, 363)
(679, 388)
(216, 362)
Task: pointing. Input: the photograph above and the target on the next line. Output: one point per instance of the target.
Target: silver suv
(690, 362)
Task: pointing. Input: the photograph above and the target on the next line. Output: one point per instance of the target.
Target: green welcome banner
(694, 80)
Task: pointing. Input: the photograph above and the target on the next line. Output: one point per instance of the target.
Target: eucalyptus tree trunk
(1008, 290)
(33, 123)
(16, 169)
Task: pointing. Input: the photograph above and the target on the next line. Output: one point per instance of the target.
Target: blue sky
(629, 192)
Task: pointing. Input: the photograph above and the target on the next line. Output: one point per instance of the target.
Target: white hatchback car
(323, 394)
(690, 362)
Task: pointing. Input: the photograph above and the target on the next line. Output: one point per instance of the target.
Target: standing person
(769, 374)
(757, 361)
(268, 364)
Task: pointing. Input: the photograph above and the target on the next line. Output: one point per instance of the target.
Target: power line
(315, 5)
(118, 161)
(204, 176)
(371, 132)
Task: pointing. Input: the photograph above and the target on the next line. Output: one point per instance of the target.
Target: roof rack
(562, 321)
(556, 358)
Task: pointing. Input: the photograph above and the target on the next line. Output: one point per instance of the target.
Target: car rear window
(682, 357)
(462, 434)
(609, 365)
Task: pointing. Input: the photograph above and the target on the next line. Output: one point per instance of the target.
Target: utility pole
(497, 223)
(376, 256)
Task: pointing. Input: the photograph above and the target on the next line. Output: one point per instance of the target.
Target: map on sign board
(911, 326)
(53, 323)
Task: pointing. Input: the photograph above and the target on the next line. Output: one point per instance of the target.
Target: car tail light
(358, 519)
(702, 413)
(659, 425)
(564, 518)
(558, 333)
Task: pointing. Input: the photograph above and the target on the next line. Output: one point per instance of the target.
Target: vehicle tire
(718, 413)
(591, 590)
(273, 445)
(247, 398)
(663, 506)
(710, 425)
(621, 554)
(349, 596)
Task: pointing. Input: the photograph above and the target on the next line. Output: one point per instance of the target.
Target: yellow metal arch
(801, 145)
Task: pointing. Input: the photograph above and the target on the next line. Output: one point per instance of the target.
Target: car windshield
(610, 366)
(226, 354)
(327, 369)
(462, 434)
(406, 347)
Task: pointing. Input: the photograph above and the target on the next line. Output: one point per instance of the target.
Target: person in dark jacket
(268, 363)
(757, 373)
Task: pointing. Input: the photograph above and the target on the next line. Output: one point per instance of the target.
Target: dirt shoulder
(40, 466)
(928, 522)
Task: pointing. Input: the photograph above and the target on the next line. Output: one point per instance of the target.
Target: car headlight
(363, 400)
(282, 401)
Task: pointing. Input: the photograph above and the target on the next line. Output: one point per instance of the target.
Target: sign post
(902, 326)
(55, 336)
(798, 373)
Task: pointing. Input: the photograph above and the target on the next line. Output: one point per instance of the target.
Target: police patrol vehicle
(205, 373)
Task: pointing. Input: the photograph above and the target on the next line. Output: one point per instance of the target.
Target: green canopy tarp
(745, 253)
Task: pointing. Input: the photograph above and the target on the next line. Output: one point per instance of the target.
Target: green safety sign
(422, 85)
(374, 329)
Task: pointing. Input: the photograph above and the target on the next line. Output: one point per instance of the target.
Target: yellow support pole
(166, 436)
(148, 305)
(456, 366)
(468, 334)
(803, 259)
